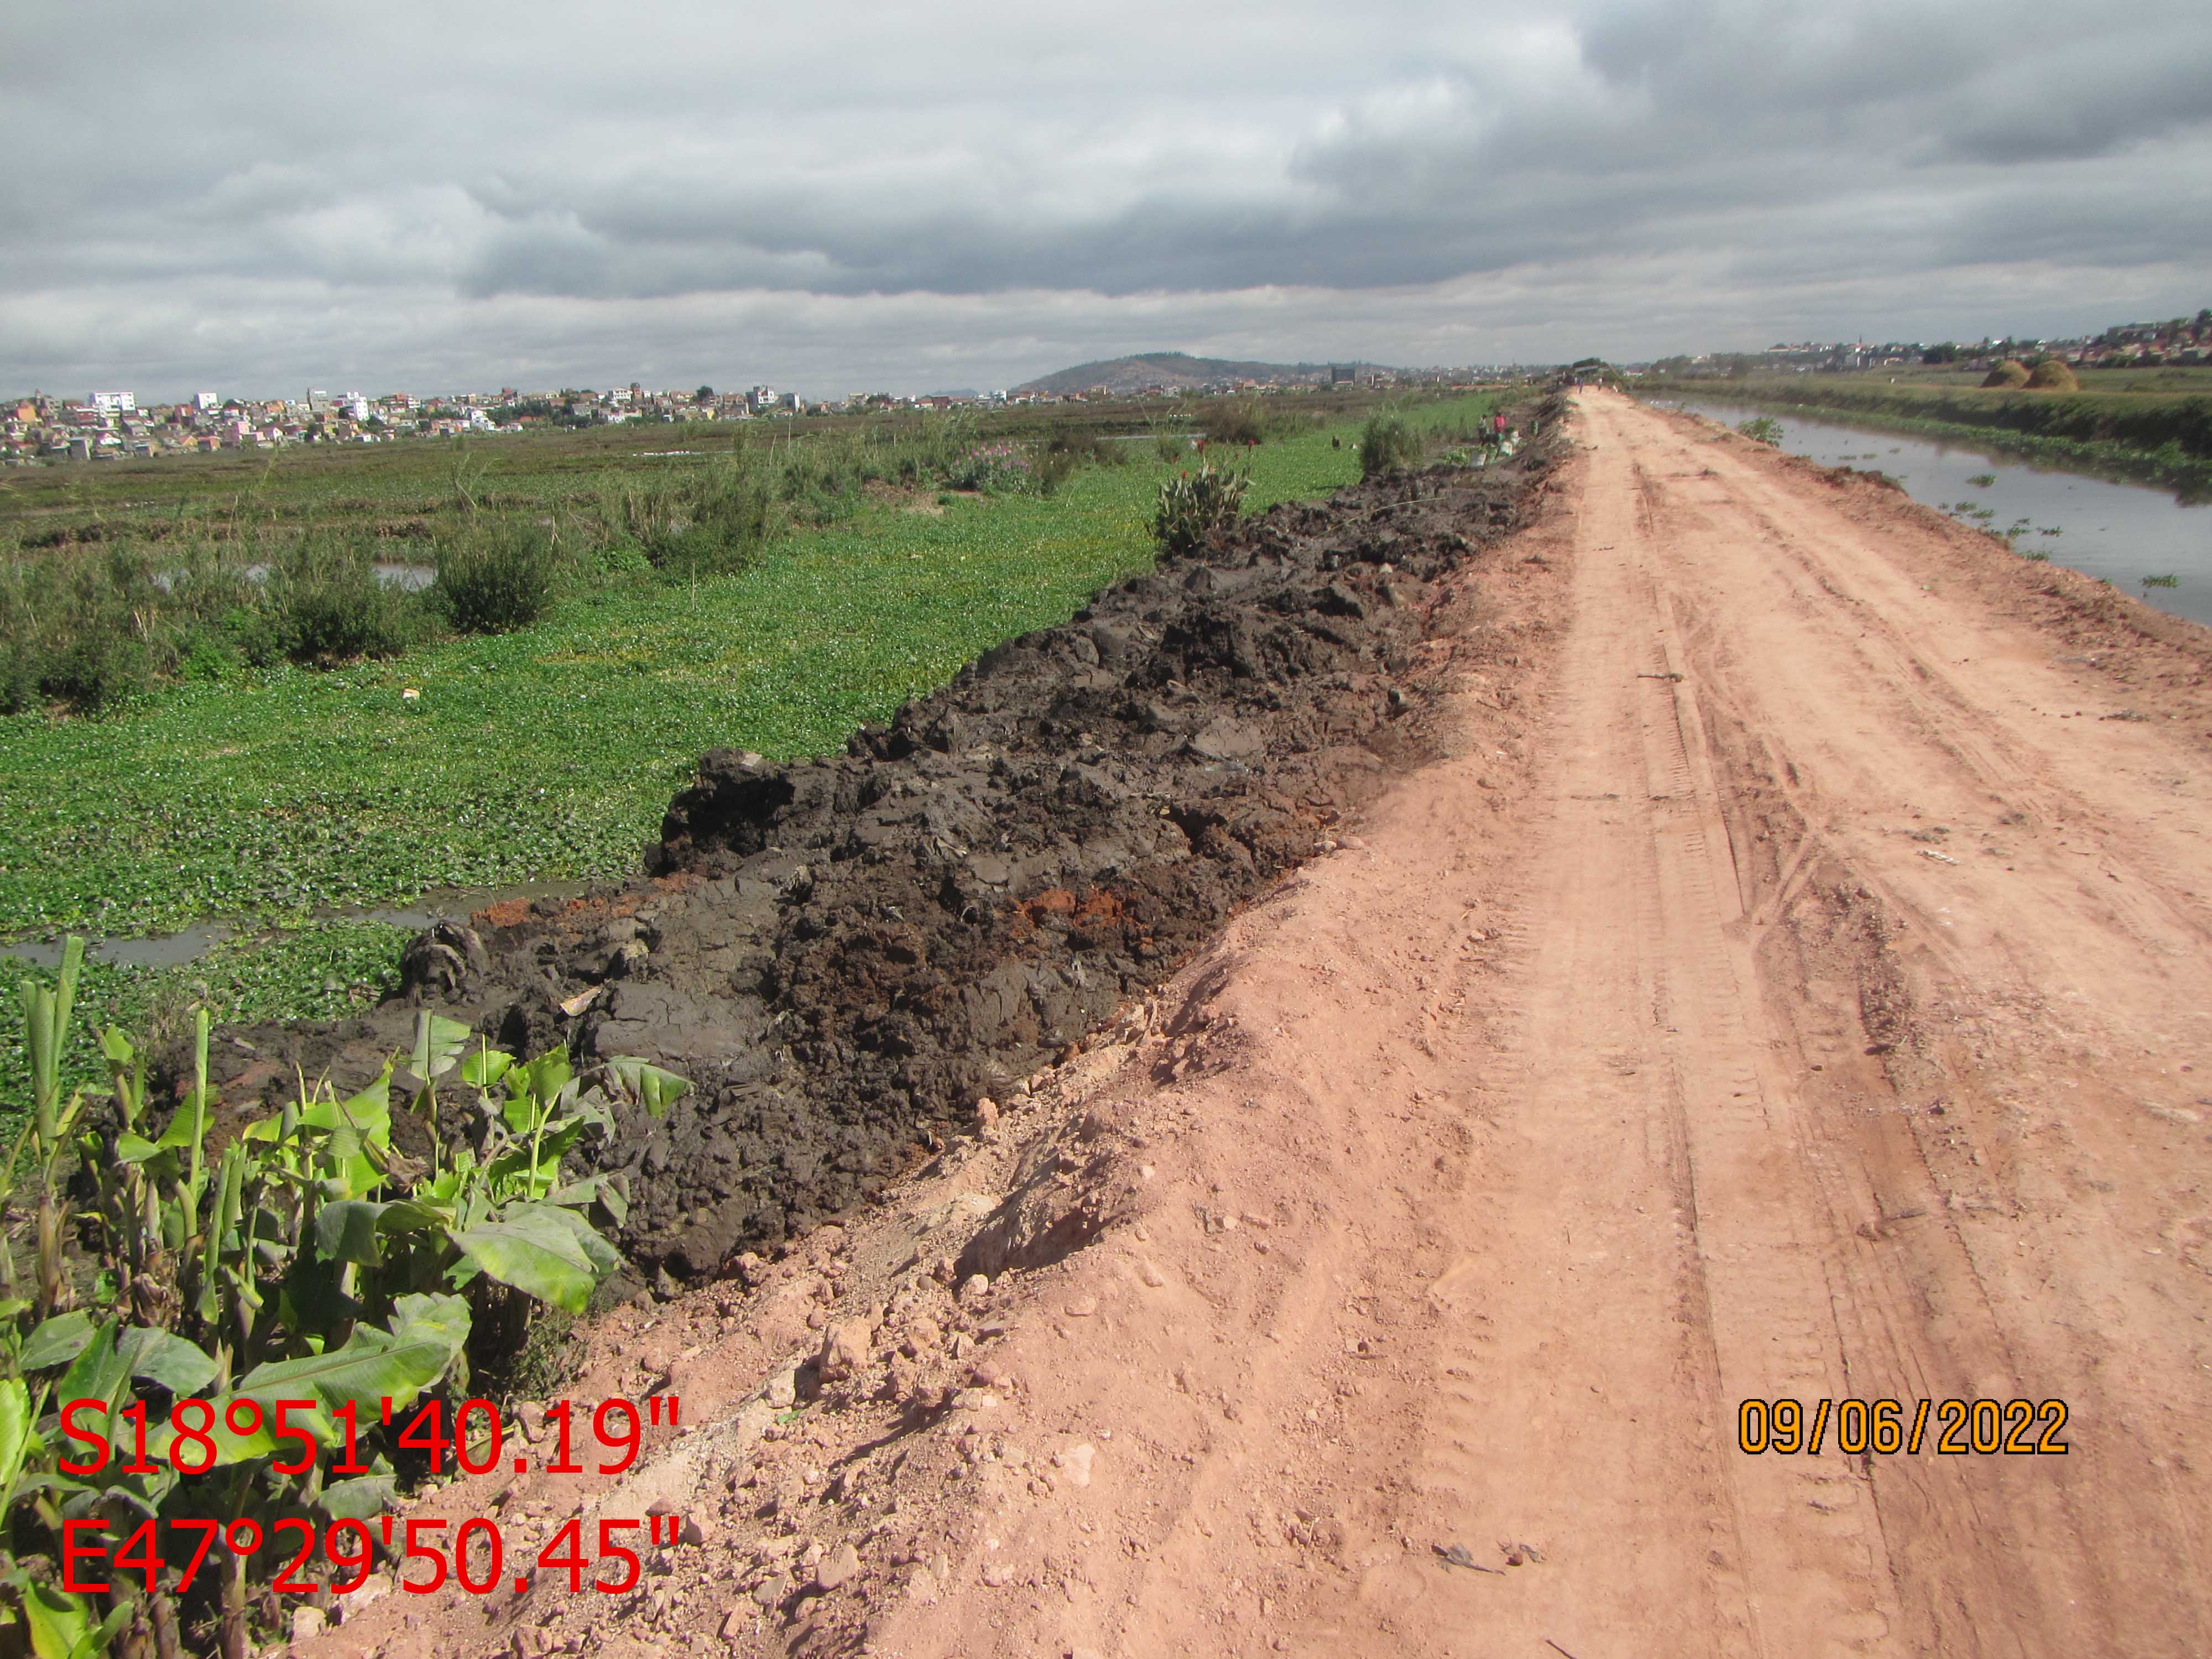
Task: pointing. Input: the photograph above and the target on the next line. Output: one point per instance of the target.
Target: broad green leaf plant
(306, 1259)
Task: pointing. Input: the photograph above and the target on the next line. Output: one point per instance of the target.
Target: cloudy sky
(833, 198)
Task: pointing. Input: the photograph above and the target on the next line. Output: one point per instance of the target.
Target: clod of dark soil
(845, 954)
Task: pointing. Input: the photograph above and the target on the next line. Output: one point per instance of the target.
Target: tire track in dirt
(1931, 1198)
(1639, 1033)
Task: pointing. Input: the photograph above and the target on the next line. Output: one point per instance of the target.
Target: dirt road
(1787, 986)
(1855, 987)
(1819, 1028)
(1855, 1040)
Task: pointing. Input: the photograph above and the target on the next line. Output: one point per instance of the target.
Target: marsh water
(174, 949)
(2122, 532)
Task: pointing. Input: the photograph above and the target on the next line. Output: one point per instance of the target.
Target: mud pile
(845, 955)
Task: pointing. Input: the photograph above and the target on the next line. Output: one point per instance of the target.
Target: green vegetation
(1403, 436)
(202, 1337)
(499, 581)
(1233, 422)
(1195, 506)
(266, 791)
(129, 576)
(1389, 443)
(322, 971)
(1761, 428)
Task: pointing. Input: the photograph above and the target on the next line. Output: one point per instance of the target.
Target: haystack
(2009, 373)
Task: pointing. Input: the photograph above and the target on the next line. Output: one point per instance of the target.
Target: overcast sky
(833, 198)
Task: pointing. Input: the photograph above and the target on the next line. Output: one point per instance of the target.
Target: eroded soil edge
(845, 955)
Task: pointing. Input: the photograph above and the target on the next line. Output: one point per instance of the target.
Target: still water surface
(174, 949)
(2120, 532)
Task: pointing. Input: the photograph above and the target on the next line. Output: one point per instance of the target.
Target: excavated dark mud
(845, 954)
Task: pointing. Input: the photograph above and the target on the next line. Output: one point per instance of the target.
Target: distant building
(207, 402)
(112, 403)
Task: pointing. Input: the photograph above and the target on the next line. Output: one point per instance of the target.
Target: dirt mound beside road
(845, 955)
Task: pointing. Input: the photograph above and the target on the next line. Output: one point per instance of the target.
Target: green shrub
(1761, 428)
(80, 628)
(1193, 506)
(1234, 420)
(1087, 449)
(257, 631)
(331, 605)
(1387, 444)
(620, 559)
(999, 469)
(822, 481)
(497, 577)
(1055, 467)
(1171, 446)
(716, 524)
(96, 651)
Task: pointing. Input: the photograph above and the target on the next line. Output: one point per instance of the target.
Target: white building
(112, 403)
(206, 401)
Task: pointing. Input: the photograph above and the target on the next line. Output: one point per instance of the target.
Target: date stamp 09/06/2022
(1961, 1428)
(470, 1553)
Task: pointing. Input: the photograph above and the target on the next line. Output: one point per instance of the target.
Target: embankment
(847, 954)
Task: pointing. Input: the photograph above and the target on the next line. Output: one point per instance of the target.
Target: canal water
(2122, 532)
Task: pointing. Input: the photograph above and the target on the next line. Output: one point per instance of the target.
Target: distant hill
(1177, 370)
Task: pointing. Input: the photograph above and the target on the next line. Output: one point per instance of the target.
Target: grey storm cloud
(861, 196)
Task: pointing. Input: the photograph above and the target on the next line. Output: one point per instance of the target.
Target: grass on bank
(548, 753)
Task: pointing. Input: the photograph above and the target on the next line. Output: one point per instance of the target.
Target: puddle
(162, 950)
(408, 577)
(175, 950)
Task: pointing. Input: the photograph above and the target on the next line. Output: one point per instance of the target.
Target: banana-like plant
(309, 1260)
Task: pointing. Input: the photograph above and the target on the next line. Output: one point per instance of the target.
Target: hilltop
(1177, 370)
